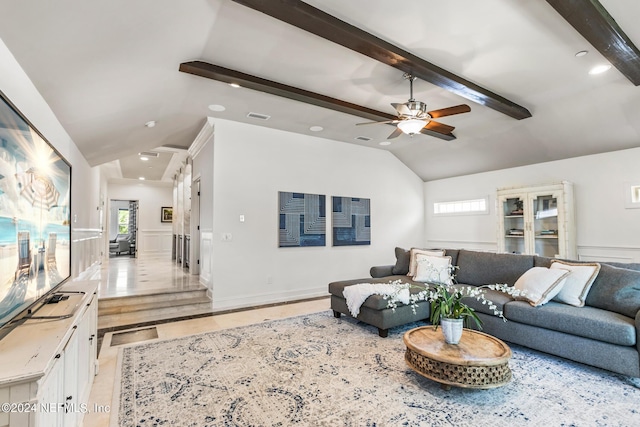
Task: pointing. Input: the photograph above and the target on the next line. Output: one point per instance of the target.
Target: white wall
(85, 185)
(154, 236)
(604, 228)
(251, 164)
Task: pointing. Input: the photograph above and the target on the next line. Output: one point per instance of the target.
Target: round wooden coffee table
(478, 361)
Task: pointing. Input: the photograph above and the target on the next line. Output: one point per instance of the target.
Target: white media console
(47, 365)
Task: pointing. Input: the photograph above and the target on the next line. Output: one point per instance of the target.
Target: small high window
(462, 207)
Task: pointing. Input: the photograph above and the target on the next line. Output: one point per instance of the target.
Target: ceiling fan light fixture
(412, 126)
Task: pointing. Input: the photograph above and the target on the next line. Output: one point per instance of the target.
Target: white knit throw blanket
(358, 293)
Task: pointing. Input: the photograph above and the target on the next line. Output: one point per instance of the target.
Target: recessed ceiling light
(150, 123)
(234, 85)
(141, 178)
(216, 107)
(599, 69)
(582, 53)
(316, 128)
(144, 158)
(385, 143)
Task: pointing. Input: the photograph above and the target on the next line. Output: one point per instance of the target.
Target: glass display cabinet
(537, 220)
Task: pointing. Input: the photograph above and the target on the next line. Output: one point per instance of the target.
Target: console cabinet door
(70, 386)
(51, 398)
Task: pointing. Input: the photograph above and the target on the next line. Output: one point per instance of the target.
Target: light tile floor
(102, 392)
(126, 276)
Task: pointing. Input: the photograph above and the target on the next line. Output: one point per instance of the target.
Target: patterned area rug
(316, 370)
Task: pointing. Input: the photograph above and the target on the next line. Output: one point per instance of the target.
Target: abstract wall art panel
(351, 221)
(303, 219)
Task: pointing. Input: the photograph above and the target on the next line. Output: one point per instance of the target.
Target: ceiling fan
(413, 115)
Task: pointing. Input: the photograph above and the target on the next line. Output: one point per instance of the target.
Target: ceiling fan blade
(450, 111)
(375, 123)
(401, 109)
(439, 127)
(396, 133)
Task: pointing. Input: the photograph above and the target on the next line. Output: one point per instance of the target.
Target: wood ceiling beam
(315, 21)
(226, 75)
(595, 24)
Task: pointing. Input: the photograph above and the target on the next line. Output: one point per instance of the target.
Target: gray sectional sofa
(604, 333)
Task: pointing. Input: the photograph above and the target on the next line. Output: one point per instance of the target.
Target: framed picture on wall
(302, 220)
(166, 214)
(351, 219)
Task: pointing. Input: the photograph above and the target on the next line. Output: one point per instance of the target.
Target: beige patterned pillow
(413, 263)
(575, 290)
(540, 284)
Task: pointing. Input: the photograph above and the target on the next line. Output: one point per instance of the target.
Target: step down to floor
(132, 310)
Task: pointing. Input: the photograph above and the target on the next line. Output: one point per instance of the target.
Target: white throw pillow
(413, 265)
(579, 281)
(540, 284)
(435, 269)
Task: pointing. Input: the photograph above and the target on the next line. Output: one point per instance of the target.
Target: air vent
(363, 138)
(258, 116)
(149, 154)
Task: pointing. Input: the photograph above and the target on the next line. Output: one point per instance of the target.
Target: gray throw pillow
(403, 256)
(616, 289)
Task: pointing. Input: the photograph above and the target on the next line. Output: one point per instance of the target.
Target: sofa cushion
(628, 265)
(589, 322)
(453, 253)
(376, 302)
(616, 289)
(486, 268)
(540, 284)
(541, 261)
(402, 261)
(578, 282)
(499, 299)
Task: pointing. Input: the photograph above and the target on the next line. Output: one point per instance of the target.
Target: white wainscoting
(608, 253)
(206, 258)
(154, 241)
(585, 252)
(86, 251)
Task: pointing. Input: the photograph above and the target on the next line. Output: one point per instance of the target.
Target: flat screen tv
(35, 209)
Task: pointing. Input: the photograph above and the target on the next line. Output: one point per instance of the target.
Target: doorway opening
(123, 228)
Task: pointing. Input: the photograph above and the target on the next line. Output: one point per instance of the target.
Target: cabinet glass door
(514, 225)
(545, 225)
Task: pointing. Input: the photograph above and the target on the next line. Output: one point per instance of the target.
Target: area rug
(316, 370)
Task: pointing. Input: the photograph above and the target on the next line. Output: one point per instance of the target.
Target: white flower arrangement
(445, 298)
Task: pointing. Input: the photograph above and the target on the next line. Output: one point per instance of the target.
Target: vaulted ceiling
(107, 68)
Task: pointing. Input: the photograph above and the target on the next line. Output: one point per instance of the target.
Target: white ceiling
(108, 67)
